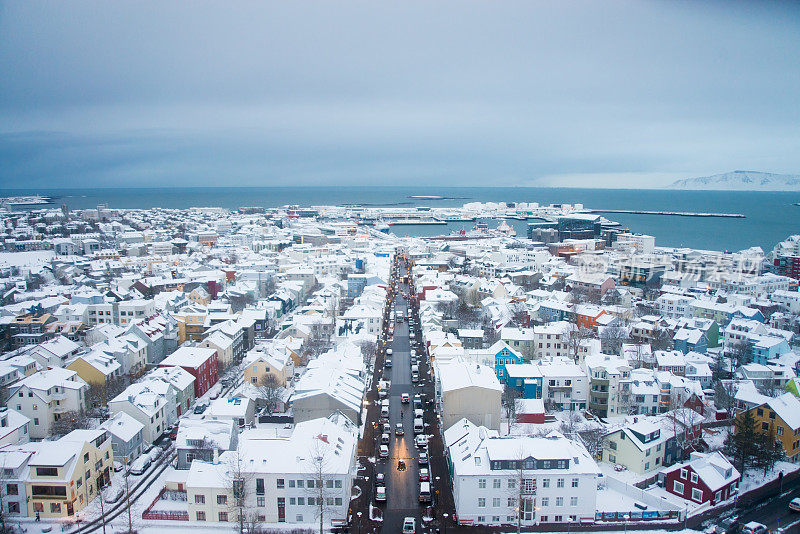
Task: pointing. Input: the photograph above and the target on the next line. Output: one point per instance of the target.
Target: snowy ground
(32, 258)
(754, 478)
(626, 475)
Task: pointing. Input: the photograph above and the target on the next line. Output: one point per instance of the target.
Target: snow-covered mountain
(742, 181)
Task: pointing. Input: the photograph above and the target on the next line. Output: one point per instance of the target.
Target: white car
(389, 352)
(794, 504)
(422, 442)
(113, 494)
(384, 451)
(380, 493)
(409, 525)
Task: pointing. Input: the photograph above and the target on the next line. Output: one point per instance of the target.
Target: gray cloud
(631, 93)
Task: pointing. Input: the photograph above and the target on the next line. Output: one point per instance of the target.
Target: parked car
(409, 525)
(380, 493)
(380, 479)
(113, 494)
(405, 398)
(140, 465)
(424, 475)
(389, 352)
(200, 408)
(422, 442)
(384, 451)
(794, 504)
(385, 439)
(423, 458)
(389, 361)
(154, 453)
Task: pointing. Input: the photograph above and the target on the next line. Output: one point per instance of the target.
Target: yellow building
(191, 324)
(96, 368)
(780, 416)
(66, 475)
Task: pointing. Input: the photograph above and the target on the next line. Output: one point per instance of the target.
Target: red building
(705, 477)
(200, 362)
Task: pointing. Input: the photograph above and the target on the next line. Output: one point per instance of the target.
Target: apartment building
(44, 396)
(545, 479)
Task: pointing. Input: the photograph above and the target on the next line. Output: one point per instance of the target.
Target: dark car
(200, 408)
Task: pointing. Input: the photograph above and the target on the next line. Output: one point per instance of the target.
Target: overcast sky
(463, 93)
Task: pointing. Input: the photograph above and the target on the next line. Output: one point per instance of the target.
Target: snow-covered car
(112, 494)
(794, 504)
(409, 525)
(422, 442)
(380, 493)
(384, 451)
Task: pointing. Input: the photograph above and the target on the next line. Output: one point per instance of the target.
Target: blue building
(687, 340)
(503, 354)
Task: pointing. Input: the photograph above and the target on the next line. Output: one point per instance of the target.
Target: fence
(180, 515)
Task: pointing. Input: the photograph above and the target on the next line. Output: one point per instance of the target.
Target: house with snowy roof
(704, 478)
(467, 390)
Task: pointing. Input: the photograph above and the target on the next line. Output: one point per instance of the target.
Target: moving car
(405, 398)
(754, 528)
(794, 504)
(398, 429)
(200, 408)
(380, 494)
(389, 352)
(409, 525)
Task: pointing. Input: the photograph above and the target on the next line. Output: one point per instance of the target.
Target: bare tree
(237, 480)
(510, 400)
(575, 338)
(738, 354)
(320, 471)
(66, 422)
(592, 439)
(270, 388)
(612, 338)
(521, 487)
(661, 339)
(571, 425)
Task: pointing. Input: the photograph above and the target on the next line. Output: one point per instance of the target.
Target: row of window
(511, 483)
(513, 519)
(512, 502)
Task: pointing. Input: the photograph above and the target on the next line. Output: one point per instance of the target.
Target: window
(55, 507)
(694, 478)
(86, 458)
(764, 426)
(496, 483)
(337, 484)
(329, 484)
(310, 484)
(677, 487)
(545, 501)
(780, 430)
(300, 483)
(573, 501)
(338, 501)
(223, 516)
(559, 501)
(260, 486)
(510, 502)
(13, 508)
(558, 519)
(697, 495)
(560, 483)
(543, 519)
(280, 483)
(482, 483)
(261, 501)
(496, 502)
(291, 483)
(47, 471)
(481, 502)
(574, 482)
(311, 501)
(299, 518)
(201, 516)
(80, 482)
(301, 501)
(222, 499)
(545, 482)
(12, 489)
(481, 519)
(199, 499)
(684, 473)
(512, 483)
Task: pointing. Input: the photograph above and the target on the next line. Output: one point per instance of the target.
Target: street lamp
(444, 524)
(359, 521)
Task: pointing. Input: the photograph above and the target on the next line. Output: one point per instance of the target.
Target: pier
(673, 213)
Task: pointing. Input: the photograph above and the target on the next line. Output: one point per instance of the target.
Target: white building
(467, 390)
(44, 396)
(548, 479)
